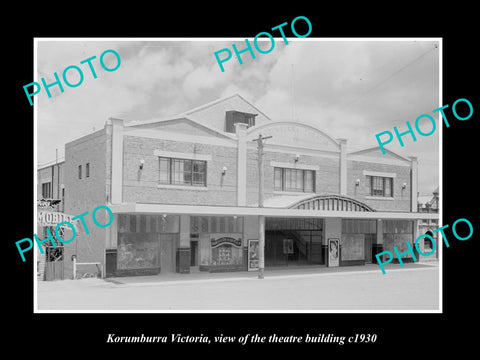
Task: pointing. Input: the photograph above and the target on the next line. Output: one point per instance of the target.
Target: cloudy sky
(350, 89)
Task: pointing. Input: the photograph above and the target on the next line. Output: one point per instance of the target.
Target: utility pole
(261, 218)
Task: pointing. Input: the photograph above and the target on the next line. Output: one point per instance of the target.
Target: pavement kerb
(274, 275)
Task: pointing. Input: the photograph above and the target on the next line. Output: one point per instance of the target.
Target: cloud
(350, 89)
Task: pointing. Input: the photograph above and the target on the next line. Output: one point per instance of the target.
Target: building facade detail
(184, 193)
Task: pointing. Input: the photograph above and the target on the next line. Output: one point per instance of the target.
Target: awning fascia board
(205, 210)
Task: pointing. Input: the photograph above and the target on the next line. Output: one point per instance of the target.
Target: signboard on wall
(333, 252)
(252, 254)
(226, 240)
(52, 218)
(226, 251)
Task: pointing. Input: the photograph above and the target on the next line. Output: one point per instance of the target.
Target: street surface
(413, 287)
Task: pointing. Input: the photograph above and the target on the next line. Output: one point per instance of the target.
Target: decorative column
(115, 127)
(343, 166)
(241, 132)
(413, 184)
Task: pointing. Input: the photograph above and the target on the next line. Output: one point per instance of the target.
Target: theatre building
(184, 193)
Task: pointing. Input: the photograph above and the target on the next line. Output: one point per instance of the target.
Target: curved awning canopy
(330, 202)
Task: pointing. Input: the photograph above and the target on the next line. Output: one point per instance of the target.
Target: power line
(390, 76)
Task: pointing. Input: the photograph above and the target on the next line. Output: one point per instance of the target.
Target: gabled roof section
(210, 116)
(213, 113)
(178, 124)
(224, 99)
(377, 152)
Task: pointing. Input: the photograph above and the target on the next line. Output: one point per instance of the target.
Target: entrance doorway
(290, 247)
(194, 255)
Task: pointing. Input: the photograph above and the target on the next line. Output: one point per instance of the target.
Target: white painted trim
(46, 180)
(273, 212)
(293, 165)
(343, 166)
(182, 155)
(176, 136)
(288, 149)
(182, 187)
(379, 198)
(279, 192)
(379, 173)
(376, 160)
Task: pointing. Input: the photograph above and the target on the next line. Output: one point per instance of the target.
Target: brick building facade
(184, 193)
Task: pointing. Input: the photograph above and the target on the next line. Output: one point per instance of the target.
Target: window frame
(292, 174)
(47, 190)
(177, 164)
(375, 180)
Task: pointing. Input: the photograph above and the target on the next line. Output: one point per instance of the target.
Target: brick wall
(401, 200)
(84, 195)
(54, 174)
(142, 185)
(327, 179)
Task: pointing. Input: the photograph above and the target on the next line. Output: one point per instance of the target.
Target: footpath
(269, 273)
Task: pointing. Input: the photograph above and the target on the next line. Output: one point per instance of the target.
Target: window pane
(194, 224)
(221, 227)
(278, 178)
(308, 181)
(177, 171)
(199, 173)
(230, 227)
(213, 224)
(388, 186)
(187, 172)
(204, 224)
(378, 186)
(299, 180)
(287, 183)
(164, 170)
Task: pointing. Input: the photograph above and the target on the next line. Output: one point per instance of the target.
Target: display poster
(252, 254)
(333, 252)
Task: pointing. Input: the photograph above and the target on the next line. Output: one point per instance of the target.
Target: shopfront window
(216, 224)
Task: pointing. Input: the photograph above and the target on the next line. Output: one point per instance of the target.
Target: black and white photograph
(267, 182)
(176, 164)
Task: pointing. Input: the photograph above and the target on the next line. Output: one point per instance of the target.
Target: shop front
(160, 239)
(146, 244)
(294, 241)
(217, 243)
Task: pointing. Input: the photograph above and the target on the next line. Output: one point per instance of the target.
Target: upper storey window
(232, 117)
(183, 172)
(380, 186)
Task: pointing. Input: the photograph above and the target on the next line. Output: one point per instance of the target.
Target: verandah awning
(265, 211)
